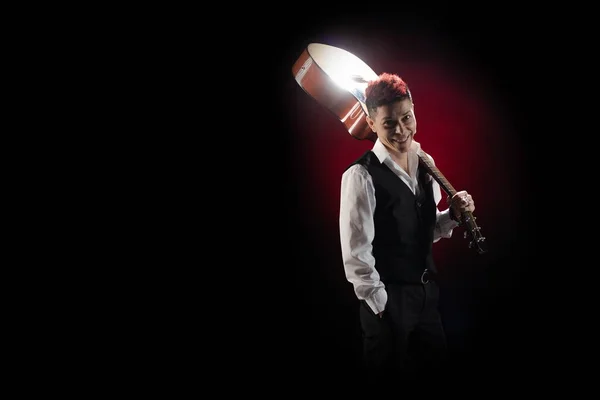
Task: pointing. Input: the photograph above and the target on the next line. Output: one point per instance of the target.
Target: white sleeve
(357, 230)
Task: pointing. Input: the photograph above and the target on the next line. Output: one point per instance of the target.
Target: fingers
(466, 200)
(463, 201)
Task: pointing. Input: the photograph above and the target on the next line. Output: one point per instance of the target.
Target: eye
(406, 117)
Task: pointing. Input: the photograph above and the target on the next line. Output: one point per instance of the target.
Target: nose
(399, 127)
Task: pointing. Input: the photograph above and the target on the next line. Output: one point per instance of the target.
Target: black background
(263, 300)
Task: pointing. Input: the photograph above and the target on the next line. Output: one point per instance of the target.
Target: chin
(405, 146)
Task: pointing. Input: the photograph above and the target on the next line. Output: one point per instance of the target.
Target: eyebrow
(402, 115)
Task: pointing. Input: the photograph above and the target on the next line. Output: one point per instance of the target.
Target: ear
(371, 123)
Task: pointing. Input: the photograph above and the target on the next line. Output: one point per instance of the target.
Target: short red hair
(386, 89)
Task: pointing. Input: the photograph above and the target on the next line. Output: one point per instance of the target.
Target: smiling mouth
(401, 140)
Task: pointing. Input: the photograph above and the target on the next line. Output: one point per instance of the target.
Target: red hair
(386, 89)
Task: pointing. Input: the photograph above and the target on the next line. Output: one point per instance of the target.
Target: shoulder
(427, 156)
(418, 150)
(424, 171)
(356, 171)
(356, 168)
(364, 160)
(356, 175)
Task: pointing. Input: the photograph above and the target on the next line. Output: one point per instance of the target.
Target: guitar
(337, 79)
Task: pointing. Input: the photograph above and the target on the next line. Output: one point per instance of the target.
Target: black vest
(404, 223)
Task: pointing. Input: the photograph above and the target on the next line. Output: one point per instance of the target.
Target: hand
(461, 202)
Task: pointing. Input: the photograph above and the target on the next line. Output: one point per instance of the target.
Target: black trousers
(408, 342)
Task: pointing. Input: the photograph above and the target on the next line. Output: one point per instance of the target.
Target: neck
(401, 159)
(394, 152)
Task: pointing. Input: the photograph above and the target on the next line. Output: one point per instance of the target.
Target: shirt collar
(382, 153)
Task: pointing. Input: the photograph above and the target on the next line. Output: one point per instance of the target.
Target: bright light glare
(343, 67)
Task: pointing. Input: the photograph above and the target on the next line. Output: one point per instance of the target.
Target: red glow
(459, 122)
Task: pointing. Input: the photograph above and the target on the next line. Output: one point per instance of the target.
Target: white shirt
(357, 228)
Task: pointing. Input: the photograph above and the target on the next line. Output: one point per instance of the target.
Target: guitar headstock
(473, 233)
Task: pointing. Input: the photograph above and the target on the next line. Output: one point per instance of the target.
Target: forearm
(444, 225)
(361, 273)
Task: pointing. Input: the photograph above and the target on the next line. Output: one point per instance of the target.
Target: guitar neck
(436, 174)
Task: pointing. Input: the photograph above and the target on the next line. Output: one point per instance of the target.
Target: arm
(447, 220)
(444, 224)
(357, 230)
